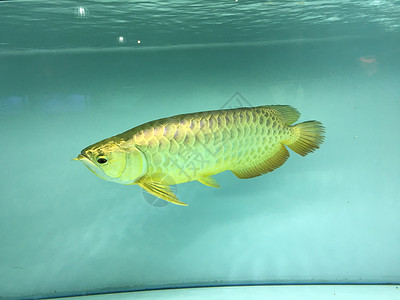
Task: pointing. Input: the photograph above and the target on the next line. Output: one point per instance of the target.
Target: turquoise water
(67, 80)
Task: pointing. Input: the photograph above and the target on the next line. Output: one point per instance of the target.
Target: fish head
(112, 161)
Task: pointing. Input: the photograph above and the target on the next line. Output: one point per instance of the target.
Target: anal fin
(161, 191)
(268, 165)
(209, 181)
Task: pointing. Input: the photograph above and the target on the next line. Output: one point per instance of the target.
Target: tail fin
(311, 135)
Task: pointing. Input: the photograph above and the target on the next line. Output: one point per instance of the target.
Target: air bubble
(121, 40)
(81, 12)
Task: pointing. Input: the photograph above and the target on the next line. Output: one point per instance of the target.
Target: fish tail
(309, 134)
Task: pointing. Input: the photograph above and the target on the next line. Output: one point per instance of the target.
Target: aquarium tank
(231, 89)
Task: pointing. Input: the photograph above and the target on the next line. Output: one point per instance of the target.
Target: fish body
(248, 141)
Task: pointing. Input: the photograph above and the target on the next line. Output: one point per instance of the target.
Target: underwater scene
(149, 146)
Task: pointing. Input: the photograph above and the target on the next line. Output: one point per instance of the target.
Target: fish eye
(101, 160)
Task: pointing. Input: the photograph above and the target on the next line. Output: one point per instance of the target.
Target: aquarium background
(75, 72)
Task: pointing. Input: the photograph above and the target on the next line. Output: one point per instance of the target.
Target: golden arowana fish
(247, 141)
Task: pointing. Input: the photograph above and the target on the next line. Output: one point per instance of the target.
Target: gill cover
(136, 166)
(113, 162)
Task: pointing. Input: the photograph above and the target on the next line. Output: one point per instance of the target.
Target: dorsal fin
(289, 113)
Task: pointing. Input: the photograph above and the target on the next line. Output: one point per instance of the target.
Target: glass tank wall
(75, 72)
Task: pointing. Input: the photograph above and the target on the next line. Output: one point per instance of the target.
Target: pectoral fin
(208, 180)
(161, 191)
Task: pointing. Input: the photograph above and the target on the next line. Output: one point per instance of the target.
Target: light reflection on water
(69, 25)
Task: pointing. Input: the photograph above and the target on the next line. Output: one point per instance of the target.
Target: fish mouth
(81, 156)
(91, 165)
